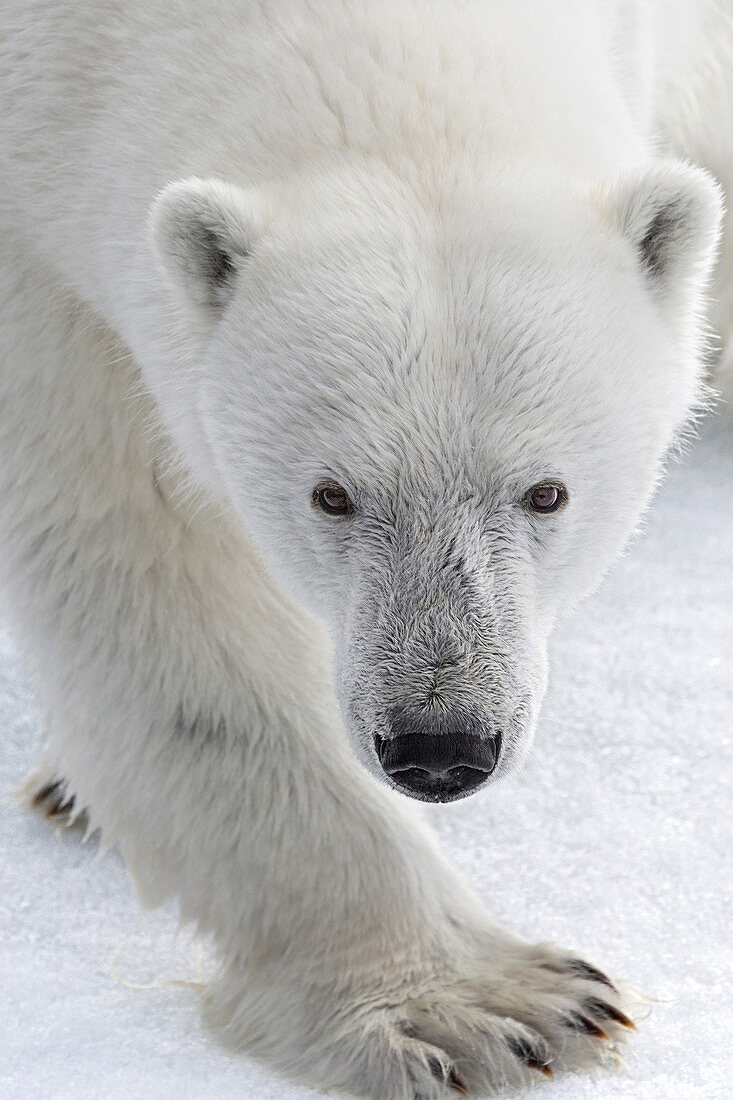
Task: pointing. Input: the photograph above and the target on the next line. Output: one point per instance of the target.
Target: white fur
(247, 247)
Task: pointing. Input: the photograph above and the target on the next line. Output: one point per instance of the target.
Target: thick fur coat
(432, 257)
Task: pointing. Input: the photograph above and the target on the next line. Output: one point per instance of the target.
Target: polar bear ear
(671, 214)
(203, 231)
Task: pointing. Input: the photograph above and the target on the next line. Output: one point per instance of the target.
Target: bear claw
(584, 1026)
(527, 1054)
(457, 1085)
(450, 1078)
(582, 969)
(52, 800)
(605, 1011)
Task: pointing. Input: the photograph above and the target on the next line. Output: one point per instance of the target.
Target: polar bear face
(440, 419)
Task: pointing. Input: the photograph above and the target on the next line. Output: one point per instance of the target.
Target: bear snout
(437, 757)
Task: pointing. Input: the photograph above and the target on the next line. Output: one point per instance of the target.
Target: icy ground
(616, 841)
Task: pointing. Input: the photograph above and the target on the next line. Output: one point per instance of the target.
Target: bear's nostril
(438, 766)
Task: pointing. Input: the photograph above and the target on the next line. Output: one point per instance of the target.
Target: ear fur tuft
(671, 215)
(202, 232)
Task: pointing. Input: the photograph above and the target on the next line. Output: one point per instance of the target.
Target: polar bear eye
(332, 499)
(547, 497)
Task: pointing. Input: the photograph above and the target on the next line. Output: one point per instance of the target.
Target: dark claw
(584, 970)
(527, 1054)
(455, 1082)
(584, 1026)
(605, 1011)
(45, 792)
(60, 804)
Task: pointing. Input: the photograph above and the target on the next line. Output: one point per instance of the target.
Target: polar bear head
(440, 408)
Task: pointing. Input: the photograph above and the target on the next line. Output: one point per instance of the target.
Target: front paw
(45, 793)
(582, 1017)
(466, 1026)
(519, 1015)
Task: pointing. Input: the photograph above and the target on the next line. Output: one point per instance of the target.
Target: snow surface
(615, 841)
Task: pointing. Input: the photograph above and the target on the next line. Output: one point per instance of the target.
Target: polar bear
(342, 347)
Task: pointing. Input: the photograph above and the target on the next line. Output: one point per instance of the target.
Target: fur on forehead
(422, 322)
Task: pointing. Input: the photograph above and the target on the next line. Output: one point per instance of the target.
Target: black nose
(436, 758)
